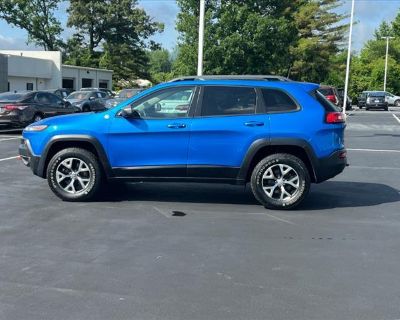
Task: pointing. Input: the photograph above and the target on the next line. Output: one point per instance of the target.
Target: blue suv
(277, 135)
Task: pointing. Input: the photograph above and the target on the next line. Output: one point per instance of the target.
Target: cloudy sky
(368, 15)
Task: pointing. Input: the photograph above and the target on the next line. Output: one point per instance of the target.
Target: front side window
(42, 98)
(168, 103)
(277, 101)
(224, 101)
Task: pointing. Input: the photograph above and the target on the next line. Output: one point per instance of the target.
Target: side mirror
(129, 113)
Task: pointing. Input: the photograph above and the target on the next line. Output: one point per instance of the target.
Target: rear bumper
(331, 166)
(11, 121)
(381, 105)
(27, 156)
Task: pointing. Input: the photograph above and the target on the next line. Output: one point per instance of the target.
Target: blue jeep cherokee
(277, 135)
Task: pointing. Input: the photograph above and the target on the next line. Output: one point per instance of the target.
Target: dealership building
(41, 70)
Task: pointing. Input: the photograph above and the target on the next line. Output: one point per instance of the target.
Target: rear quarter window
(326, 104)
(278, 101)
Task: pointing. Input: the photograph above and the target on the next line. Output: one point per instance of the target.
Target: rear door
(156, 144)
(223, 128)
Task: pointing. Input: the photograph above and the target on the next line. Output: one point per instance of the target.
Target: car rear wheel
(74, 174)
(85, 109)
(280, 181)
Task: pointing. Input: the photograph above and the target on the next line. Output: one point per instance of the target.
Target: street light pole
(201, 39)
(346, 84)
(386, 60)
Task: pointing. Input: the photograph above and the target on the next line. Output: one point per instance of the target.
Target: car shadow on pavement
(179, 192)
(327, 195)
(346, 194)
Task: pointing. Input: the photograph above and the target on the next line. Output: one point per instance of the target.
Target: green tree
(115, 34)
(296, 37)
(160, 63)
(320, 35)
(37, 18)
(240, 36)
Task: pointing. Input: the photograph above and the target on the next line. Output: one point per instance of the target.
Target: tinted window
(326, 91)
(102, 94)
(222, 101)
(276, 100)
(168, 103)
(79, 95)
(56, 100)
(42, 97)
(326, 104)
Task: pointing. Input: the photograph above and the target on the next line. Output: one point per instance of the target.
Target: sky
(368, 15)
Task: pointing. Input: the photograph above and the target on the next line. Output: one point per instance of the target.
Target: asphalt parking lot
(219, 256)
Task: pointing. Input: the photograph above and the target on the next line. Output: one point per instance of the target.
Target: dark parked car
(62, 92)
(108, 91)
(332, 94)
(88, 100)
(376, 100)
(348, 100)
(22, 108)
(362, 99)
(122, 96)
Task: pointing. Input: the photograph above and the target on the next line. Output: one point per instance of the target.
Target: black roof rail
(232, 77)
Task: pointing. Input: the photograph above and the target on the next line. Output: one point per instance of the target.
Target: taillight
(11, 107)
(334, 117)
(332, 98)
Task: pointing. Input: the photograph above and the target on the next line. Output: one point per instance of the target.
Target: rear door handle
(176, 126)
(254, 124)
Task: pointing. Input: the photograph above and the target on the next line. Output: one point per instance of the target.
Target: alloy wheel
(281, 182)
(73, 175)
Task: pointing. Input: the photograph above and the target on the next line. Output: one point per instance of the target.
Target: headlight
(36, 127)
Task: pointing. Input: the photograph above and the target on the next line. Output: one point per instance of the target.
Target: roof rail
(232, 77)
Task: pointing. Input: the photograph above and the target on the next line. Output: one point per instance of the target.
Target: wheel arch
(60, 142)
(263, 148)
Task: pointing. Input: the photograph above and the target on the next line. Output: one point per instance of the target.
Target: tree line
(304, 40)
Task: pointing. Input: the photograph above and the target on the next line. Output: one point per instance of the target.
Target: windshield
(9, 96)
(81, 95)
(326, 91)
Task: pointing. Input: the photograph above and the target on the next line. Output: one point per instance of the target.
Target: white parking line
(6, 139)
(374, 150)
(10, 158)
(396, 117)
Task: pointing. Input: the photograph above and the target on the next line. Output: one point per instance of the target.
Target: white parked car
(392, 100)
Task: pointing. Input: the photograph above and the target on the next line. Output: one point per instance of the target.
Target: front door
(156, 144)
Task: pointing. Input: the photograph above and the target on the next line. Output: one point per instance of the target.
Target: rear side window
(223, 101)
(277, 101)
(328, 106)
(326, 91)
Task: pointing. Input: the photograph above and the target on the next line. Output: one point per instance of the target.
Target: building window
(86, 83)
(29, 86)
(103, 84)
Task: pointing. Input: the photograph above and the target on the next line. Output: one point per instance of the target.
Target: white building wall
(79, 73)
(44, 70)
(52, 57)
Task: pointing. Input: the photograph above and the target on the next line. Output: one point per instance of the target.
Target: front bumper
(27, 156)
(331, 166)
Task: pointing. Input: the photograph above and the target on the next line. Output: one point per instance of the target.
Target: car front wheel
(74, 174)
(280, 181)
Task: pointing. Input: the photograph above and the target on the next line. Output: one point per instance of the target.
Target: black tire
(386, 109)
(258, 181)
(397, 103)
(37, 117)
(85, 108)
(366, 108)
(92, 172)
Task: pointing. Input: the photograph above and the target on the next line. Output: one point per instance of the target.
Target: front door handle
(254, 124)
(176, 126)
